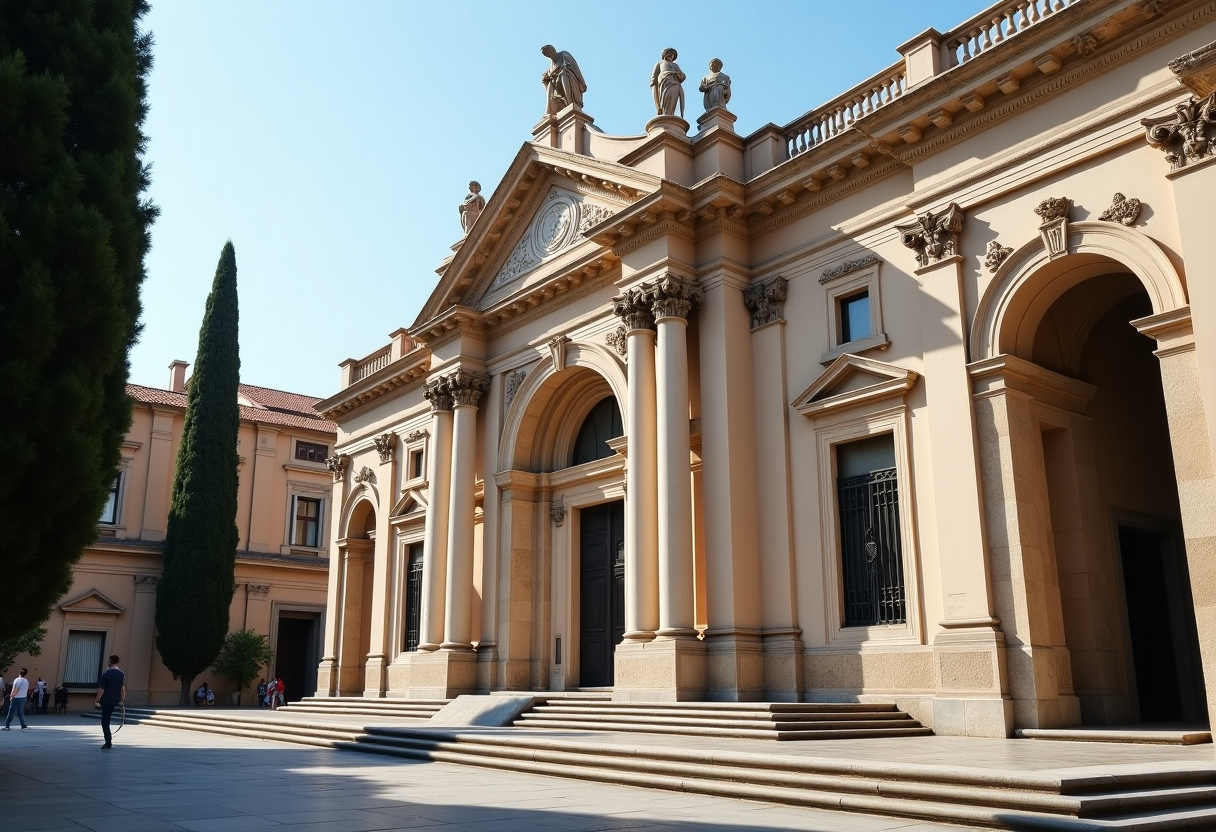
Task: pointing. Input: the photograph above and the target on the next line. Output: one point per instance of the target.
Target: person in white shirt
(41, 696)
(16, 703)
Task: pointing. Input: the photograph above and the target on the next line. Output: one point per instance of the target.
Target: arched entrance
(357, 550)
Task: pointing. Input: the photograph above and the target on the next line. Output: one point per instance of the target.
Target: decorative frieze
(1122, 210)
(514, 380)
(557, 349)
(417, 435)
(933, 236)
(766, 301)
(848, 266)
(996, 255)
(1183, 135)
(257, 590)
(385, 443)
(618, 340)
(365, 475)
(673, 297)
(466, 387)
(1053, 213)
(337, 465)
(632, 307)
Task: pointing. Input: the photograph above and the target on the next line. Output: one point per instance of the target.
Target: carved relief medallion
(559, 224)
(1122, 210)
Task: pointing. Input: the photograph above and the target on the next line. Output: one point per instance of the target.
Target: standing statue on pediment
(472, 206)
(564, 84)
(666, 83)
(716, 86)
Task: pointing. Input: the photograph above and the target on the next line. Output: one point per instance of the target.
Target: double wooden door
(602, 591)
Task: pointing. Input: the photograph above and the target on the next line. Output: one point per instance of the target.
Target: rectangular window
(416, 464)
(308, 522)
(311, 451)
(871, 559)
(83, 665)
(109, 514)
(855, 317)
(413, 598)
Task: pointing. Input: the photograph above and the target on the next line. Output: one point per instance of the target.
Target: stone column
(435, 541)
(379, 650)
(466, 390)
(641, 474)
(143, 629)
(327, 671)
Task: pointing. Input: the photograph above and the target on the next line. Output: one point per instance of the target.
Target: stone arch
(360, 505)
(1029, 282)
(550, 406)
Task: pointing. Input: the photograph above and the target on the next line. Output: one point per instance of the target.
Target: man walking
(111, 692)
(16, 701)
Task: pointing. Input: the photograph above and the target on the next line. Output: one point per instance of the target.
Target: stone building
(911, 399)
(283, 520)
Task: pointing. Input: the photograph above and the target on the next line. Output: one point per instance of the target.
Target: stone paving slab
(54, 777)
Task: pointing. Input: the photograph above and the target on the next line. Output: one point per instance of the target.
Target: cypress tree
(198, 580)
(73, 234)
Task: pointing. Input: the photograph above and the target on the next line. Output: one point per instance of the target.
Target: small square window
(855, 317)
(307, 522)
(109, 514)
(416, 464)
(311, 452)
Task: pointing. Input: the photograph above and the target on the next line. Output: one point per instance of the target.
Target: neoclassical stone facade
(912, 399)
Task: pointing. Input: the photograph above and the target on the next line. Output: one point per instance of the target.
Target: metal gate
(870, 551)
(413, 598)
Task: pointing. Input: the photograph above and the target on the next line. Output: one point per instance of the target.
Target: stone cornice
(804, 206)
(407, 371)
(451, 323)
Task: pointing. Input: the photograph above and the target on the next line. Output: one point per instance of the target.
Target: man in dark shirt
(111, 692)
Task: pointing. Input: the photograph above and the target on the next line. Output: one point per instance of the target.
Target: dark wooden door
(602, 591)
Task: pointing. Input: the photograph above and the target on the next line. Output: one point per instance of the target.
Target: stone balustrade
(994, 26)
(838, 115)
(376, 361)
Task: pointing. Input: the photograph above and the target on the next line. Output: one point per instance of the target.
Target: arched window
(602, 423)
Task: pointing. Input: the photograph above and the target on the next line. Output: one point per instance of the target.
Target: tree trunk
(187, 684)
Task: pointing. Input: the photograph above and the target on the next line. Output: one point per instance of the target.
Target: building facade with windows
(911, 399)
(282, 560)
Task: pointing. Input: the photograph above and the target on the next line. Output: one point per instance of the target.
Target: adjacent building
(910, 399)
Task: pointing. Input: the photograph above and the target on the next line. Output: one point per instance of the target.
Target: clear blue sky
(332, 141)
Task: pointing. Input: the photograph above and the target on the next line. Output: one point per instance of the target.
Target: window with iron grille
(867, 494)
(311, 451)
(413, 598)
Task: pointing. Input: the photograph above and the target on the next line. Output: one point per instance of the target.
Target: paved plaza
(54, 777)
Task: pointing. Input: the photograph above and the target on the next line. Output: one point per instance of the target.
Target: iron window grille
(413, 599)
(870, 549)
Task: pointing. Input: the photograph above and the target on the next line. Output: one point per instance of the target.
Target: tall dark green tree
(198, 580)
(74, 229)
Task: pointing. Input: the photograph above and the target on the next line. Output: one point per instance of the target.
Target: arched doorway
(357, 550)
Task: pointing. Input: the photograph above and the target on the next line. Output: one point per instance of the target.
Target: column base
(663, 670)
(783, 667)
(961, 717)
(971, 681)
(444, 674)
(375, 677)
(327, 676)
(487, 666)
(734, 667)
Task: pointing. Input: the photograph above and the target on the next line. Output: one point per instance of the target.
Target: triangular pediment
(94, 602)
(411, 505)
(534, 224)
(851, 381)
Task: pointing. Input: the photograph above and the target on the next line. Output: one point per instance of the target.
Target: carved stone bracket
(1054, 228)
(557, 348)
(1122, 210)
(257, 590)
(996, 255)
(618, 340)
(365, 475)
(337, 465)
(514, 380)
(1085, 43)
(933, 236)
(632, 307)
(766, 301)
(673, 297)
(1183, 135)
(558, 512)
(466, 387)
(385, 443)
(146, 583)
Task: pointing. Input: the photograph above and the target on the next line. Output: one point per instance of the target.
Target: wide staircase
(741, 720)
(357, 708)
(1129, 799)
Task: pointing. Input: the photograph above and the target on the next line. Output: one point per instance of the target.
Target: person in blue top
(111, 692)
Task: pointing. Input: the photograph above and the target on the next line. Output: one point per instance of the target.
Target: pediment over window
(851, 381)
(411, 506)
(94, 602)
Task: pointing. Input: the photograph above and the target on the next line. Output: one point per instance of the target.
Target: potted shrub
(242, 658)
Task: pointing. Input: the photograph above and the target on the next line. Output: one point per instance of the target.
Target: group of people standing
(22, 696)
(271, 694)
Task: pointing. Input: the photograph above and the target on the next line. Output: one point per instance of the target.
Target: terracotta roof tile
(266, 406)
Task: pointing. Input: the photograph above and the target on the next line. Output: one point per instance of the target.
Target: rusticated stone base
(663, 670)
(326, 677)
(734, 668)
(443, 674)
(972, 688)
(375, 677)
(783, 667)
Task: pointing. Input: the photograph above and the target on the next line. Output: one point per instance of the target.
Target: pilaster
(143, 628)
(379, 646)
(327, 670)
(435, 541)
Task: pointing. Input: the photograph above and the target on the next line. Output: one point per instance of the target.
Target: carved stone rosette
(1183, 135)
(439, 393)
(618, 340)
(467, 387)
(385, 443)
(933, 236)
(365, 475)
(1054, 228)
(632, 307)
(514, 380)
(673, 297)
(996, 255)
(337, 465)
(1122, 210)
(766, 301)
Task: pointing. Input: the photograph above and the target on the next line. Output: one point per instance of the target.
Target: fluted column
(466, 389)
(641, 474)
(435, 541)
(672, 298)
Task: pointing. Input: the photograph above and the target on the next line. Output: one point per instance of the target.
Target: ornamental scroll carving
(337, 465)
(1122, 210)
(1187, 135)
(439, 394)
(933, 236)
(514, 380)
(560, 223)
(365, 475)
(385, 443)
(417, 435)
(766, 301)
(257, 590)
(618, 340)
(996, 255)
(633, 307)
(848, 266)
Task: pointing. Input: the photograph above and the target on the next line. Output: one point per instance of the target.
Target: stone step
(567, 712)
(733, 707)
(779, 733)
(1132, 802)
(1139, 736)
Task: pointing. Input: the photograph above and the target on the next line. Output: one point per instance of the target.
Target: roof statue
(716, 86)
(666, 82)
(564, 84)
(474, 203)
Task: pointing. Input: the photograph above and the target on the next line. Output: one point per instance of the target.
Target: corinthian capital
(933, 236)
(632, 306)
(439, 393)
(765, 301)
(673, 297)
(466, 387)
